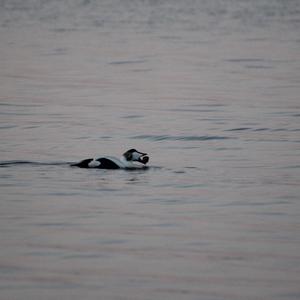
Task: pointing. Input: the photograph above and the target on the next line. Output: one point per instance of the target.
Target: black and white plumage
(131, 159)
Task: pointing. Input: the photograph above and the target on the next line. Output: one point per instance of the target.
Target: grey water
(210, 90)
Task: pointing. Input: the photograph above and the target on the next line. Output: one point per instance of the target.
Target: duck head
(134, 155)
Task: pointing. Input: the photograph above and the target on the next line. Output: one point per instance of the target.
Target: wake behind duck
(131, 159)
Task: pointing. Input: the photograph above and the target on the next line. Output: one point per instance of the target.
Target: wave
(181, 138)
(239, 129)
(125, 62)
(10, 163)
(16, 163)
(263, 129)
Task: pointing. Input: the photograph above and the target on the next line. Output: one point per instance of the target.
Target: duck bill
(143, 158)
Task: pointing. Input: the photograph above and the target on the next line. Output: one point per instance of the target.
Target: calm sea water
(210, 89)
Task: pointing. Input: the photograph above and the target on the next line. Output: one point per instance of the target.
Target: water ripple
(239, 129)
(10, 163)
(125, 62)
(180, 137)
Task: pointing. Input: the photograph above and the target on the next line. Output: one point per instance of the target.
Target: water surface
(210, 89)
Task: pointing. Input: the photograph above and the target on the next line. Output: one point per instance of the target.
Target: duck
(131, 159)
